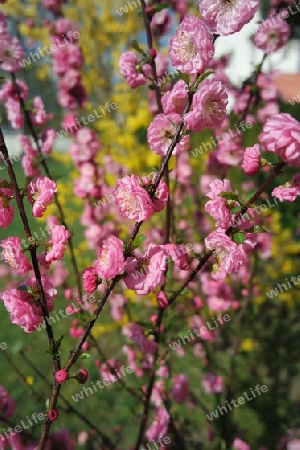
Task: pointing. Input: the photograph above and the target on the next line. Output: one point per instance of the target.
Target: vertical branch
(32, 249)
(147, 23)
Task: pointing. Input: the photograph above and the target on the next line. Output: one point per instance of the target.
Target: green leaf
(84, 356)
(185, 291)
(229, 196)
(25, 289)
(90, 319)
(138, 241)
(134, 44)
(58, 342)
(260, 229)
(47, 404)
(239, 238)
(184, 76)
(249, 196)
(236, 209)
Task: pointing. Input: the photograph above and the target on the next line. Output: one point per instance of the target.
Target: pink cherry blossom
(290, 192)
(14, 256)
(229, 255)
(227, 17)
(281, 135)
(11, 53)
(23, 307)
(159, 427)
(57, 243)
(251, 161)
(161, 196)
(41, 193)
(218, 207)
(146, 273)
(178, 255)
(146, 345)
(30, 158)
(110, 261)
(175, 100)
(212, 383)
(128, 64)
(209, 106)
(38, 114)
(160, 134)
(191, 47)
(47, 137)
(272, 34)
(6, 210)
(180, 389)
(90, 279)
(7, 404)
(238, 444)
(162, 299)
(133, 201)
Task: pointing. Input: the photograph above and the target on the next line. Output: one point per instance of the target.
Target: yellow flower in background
(247, 345)
(30, 380)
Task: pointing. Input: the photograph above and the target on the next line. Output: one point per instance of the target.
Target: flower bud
(52, 414)
(61, 376)
(82, 376)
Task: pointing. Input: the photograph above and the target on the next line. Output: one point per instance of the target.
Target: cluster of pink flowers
(67, 62)
(23, 304)
(138, 336)
(11, 50)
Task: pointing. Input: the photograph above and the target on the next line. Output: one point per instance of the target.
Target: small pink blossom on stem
(212, 383)
(180, 389)
(23, 304)
(228, 254)
(133, 200)
(129, 68)
(13, 255)
(146, 273)
(57, 244)
(226, 17)
(90, 280)
(272, 34)
(209, 106)
(218, 207)
(288, 192)
(281, 135)
(61, 376)
(160, 134)
(191, 47)
(7, 212)
(110, 261)
(11, 53)
(41, 193)
(159, 427)
(251, 161)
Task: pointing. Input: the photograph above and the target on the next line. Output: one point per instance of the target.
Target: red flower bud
(52, 414)
(149, 10)
(82, 376)
(61, 376)
(152, 53)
